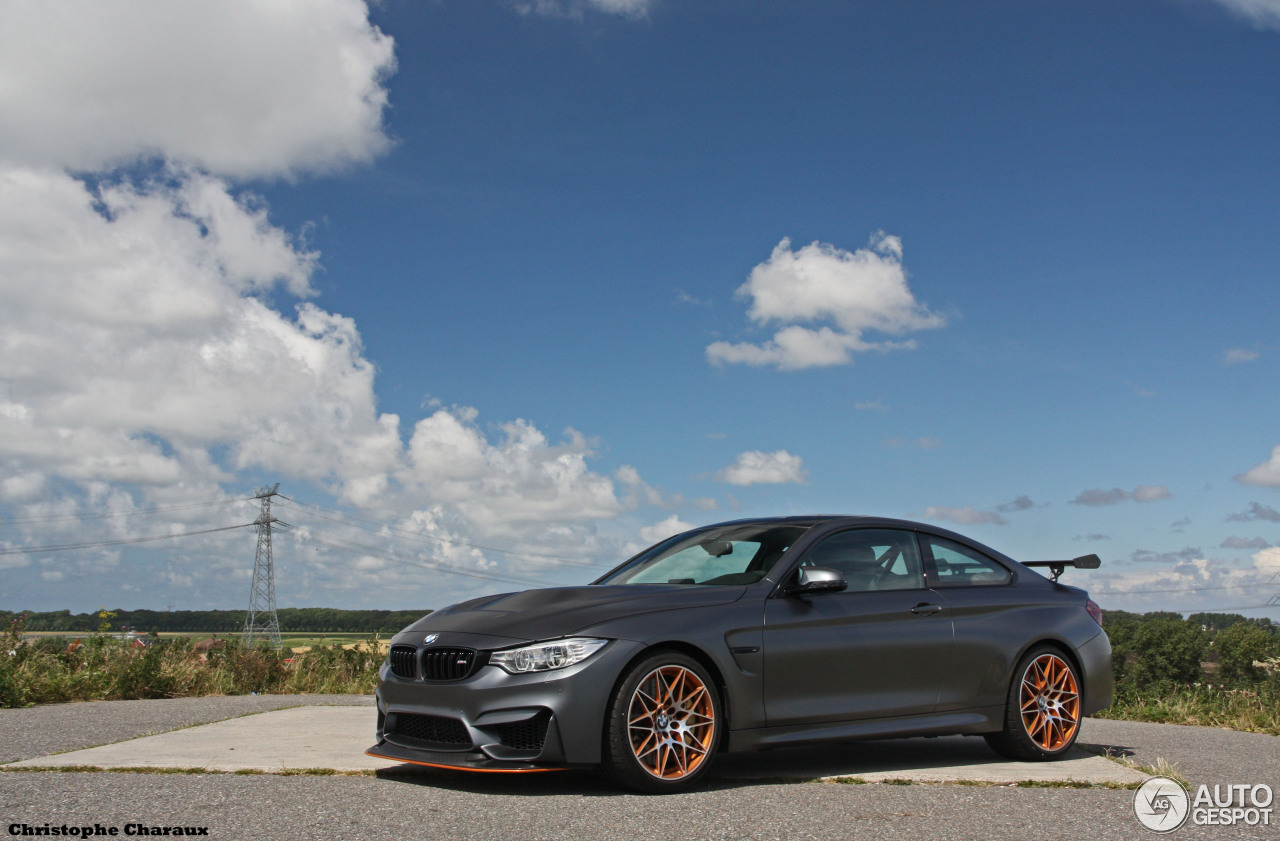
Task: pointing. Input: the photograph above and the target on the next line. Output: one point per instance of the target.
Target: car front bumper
(495, 721)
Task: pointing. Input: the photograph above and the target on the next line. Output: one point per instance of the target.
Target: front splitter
(456, 761)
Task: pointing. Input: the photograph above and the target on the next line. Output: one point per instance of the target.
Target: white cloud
(1143, 493)
(758, 468)
(1186, 579)
(504, 488)
(1267, 561)
(967, 516)
(576, 8)
(23, 488)
(1236, 355)
(141, 358)
(857, 292)
(672, 525)
(638, 491)
(1263, 14)
(1266, 474)
(133, 340)
(237, 87)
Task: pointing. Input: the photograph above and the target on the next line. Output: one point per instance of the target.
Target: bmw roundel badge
(430, 639)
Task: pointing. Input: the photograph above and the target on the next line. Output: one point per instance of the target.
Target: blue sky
(532, 284)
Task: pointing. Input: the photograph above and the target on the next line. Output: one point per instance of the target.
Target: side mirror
(817, 580)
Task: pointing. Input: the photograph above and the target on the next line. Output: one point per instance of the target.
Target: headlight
(546, 656)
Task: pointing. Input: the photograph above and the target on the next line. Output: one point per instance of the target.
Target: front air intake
(428, 731)
(528, 735)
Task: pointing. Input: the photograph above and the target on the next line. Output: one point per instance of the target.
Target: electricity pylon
(261, 623)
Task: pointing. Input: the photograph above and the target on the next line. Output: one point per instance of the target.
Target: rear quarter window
(959, 566)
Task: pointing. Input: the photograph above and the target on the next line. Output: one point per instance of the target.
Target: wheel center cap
(663, 722)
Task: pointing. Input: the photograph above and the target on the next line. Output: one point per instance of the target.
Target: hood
(559, 611)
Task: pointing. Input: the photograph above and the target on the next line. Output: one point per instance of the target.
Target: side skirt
(966, 722)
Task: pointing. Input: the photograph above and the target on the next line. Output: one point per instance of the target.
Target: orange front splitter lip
(401, 760)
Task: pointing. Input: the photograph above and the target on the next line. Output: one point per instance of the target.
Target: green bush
(1159, 652)
(1238, 648)
(102, 668)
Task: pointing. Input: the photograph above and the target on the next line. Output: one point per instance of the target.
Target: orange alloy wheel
(1050, 702)
(671, 722)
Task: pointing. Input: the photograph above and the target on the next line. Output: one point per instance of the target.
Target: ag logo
(1161, 805)
(430, 639)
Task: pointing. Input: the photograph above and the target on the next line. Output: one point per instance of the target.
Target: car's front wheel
(1042, 717)
(664, 724)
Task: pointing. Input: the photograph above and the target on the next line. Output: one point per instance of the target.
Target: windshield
(724, 555)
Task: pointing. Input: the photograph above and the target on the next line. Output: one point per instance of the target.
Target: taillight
(1094, 611)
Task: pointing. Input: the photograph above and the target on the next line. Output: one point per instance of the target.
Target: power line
(103, 515)
(29, 550)
(357, 548)
(1178, 590)
(347, 519)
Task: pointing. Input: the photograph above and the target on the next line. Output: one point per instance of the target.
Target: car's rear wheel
(664, 724)
(1042, 717)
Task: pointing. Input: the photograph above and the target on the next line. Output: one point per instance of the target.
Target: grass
(1161, 768)
(1253, 709)
(106, 669)
(291, 641)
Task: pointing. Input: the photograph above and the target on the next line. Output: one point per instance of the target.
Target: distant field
(293, 641)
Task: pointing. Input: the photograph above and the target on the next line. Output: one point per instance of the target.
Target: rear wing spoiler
(1057, 567)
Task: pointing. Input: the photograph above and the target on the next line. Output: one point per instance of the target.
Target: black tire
(1042, 711)
(664, 725)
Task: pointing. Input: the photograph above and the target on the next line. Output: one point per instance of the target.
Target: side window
(960, 566)
(870, 559)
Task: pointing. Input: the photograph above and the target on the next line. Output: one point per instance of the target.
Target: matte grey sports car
(749, 635)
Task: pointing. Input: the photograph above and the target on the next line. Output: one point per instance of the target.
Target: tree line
(1158, 650)
(292, 620)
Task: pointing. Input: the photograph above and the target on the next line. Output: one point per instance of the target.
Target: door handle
(924, 609)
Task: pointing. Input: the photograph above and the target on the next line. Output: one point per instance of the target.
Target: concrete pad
(946, 759)
(335, 738)
(332, 738)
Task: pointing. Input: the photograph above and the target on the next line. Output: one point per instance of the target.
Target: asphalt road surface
(572, 805)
